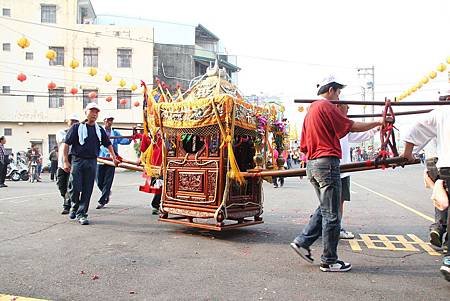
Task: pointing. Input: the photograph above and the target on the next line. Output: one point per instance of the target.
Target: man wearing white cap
(105, 173)
(85, 139)
(62, 177)
(323, 126)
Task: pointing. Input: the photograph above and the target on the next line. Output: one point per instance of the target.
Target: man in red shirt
(323, 126)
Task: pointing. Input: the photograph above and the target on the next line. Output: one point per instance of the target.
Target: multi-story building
(182, 51)
(120, 56)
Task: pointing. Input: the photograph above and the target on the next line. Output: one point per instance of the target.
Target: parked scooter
(12, 171)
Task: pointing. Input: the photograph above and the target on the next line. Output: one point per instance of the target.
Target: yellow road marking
(428, 218)
(391, 243)
(17, 298)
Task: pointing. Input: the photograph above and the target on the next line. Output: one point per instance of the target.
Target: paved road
(135, 257)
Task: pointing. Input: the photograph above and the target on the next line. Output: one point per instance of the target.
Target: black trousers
(440, 217)
(105, 178)
(63, 183)
(53, 169)
(3, 168)
(82, 177)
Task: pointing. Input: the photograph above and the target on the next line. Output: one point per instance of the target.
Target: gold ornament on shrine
(23, 42)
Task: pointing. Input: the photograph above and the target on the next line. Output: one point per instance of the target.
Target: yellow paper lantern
(419, 85)
(301, 109)
(23, 42)
(133, 87)
(424, 80)
(432, 74)
(74, 64)
(441, 67)
(122, 83)
(414, 89)
(51, 54)
(409, 92)
(92, 71)
(108, 77)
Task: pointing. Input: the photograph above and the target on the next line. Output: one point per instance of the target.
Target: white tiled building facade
(29, 112)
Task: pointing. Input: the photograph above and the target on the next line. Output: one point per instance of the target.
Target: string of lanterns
(51, 55)
(424, 80)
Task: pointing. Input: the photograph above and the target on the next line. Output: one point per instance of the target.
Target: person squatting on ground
(346, 158)
(62, 177)
(323, 126)
(435, 124)
(85, 139)
(105, 173)
(4, 161)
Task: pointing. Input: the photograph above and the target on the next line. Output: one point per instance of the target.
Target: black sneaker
(435, 238)
(72, 214)
(445, 268)
(83, 220)
(65, 211)
(304, 253)
(339, 266)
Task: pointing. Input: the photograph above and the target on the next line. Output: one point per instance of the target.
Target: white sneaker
(339, 266)
(344, 234)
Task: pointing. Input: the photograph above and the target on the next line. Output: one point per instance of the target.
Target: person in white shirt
(435, 124)
(352, 137)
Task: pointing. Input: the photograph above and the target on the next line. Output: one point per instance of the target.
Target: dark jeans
(3, 169)
(324, 175)
(82, 176)
(105, 178)
(62, 181)
(53, 169)
(156, 202)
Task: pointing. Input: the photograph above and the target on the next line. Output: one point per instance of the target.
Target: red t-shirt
(323, 126)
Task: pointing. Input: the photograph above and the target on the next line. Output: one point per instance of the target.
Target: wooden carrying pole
(124, 165)
(349, 167)
(379, 103)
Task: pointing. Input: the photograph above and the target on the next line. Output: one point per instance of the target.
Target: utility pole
(367, 75)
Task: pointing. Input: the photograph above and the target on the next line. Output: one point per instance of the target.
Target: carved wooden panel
(191, 181)
(170, 181)
(212, 184)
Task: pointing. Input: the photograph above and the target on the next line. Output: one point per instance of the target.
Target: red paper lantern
(21, 77)
(92, 95)
(51, 85)
(136, 103)
(123, 101)
(73, 91)
(109, 98)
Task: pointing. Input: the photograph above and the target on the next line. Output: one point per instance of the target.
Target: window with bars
(48, 13)
(30, 98)
(6, 89)
(51, 142)
(124, 94)
(7, 132)
(124, 57)
(90, 57)
(86, 98)
(6, 47)
(56, 98)
(59, 60)
(29, 56)
(7, 12)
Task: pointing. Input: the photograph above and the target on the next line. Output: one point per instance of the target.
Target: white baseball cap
(330, 79)
(108, 116)
(73, 116)
(92, 105)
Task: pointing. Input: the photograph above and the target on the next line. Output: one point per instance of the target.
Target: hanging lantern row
(424, 80)
(51, 55)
